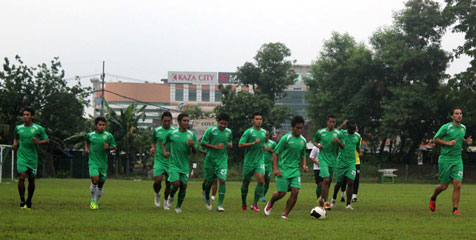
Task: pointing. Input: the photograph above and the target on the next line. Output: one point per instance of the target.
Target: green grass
(384, 211)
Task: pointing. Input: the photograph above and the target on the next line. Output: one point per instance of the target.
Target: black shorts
(317, 177)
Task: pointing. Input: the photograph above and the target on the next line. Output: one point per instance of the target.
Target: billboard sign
(227, 78)
(193, 77)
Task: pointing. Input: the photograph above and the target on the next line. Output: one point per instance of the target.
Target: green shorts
(268, 171)
(30, 169)
(96, 171)
(217, 172)
(450, 170)
(345, 172)
(326, 171)
(285, 184)
(160, 169)
(250, 169)
(178, 176)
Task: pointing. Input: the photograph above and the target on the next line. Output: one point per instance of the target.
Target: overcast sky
(145, 39)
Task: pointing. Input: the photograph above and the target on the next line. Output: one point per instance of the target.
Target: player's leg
(247, 174)
(336, 190)
(356, 183)
(214, 188)
(282, 185)
(157, 186)
(174, 179)
(102, 180)
(21, 188)
(326, 176)
(167, 187)
(318, 180)
(291, 201)
(258, 190)
(456, 195)
(94, 191)
(221, 174)
(267, 178)
(444, 180)
(342, 191)
(350, 186)
(183, 190)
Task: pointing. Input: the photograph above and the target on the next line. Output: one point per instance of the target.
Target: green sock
(258, 192)
(181, 196)
(208, 187)
(266, 187)
(244, 193)
(221, 193)
(172, 191)
(318, 191)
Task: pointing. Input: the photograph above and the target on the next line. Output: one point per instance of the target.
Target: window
(192, 95)
(205, 95)
(218, 96)
(178, 95)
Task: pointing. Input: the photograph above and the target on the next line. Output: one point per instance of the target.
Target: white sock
(157, 194)
(99, 193)
(343, 194)
(354, 195)
(94, 189)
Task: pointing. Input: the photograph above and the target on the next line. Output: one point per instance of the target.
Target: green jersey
(449, 132)
(158, 137)
(255, 153)
(97, 152)
(328, 154)
(179, 150)
(347, 155)
(27, 151)
(215, 136)
(290, 150)
(268, 156)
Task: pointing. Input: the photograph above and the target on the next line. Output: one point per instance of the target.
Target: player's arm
(338, 141)
(343, 124)
(438, 138)
(43, 136)
(468, 140)
(316, 141)
(304, 165)
(443, 142)
(244, 140)
(15, 144)
(87, 148)
(276, 171)
(193, 144)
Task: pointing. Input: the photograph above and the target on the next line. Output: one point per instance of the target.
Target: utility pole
(103, 75)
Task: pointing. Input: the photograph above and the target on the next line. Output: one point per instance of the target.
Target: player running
(26, 138)
(98, 144)
(288, 155)
(269, 146)
(181, 141)
(314, 156)
(328, 140)
(216, 140)
(346, 170)
(160, 162)
(450, 164)
(253, 140)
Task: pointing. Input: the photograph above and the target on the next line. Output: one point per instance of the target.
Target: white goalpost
(3, 147)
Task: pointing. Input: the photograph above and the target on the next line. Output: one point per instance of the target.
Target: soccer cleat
(244, 207)
(169, 202)
(263, 199)
(284, 216)
(333, 202)
(255, 208)
(321, 202)
(208, 205)
(166, 206)
(93, 205)
(349, 207)
(22, 205)
(28, 205)
(267, 209)
(213, 198)
(178, 210)
(157, 200)
(456, 213)
(432, 205)
(220, 209)
(354, 199)
(327, 206)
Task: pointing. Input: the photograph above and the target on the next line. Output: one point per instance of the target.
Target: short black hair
(30, 110)
(296, 120)
(453, 110)
(351, 124)
(180, 116)
(166, 114)
(224, 117)
(98, 119)
(330, 116)
(256, 114)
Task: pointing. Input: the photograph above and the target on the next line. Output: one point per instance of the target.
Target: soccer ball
(318, 213)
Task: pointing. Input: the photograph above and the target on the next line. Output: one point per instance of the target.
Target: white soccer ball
(318, 213)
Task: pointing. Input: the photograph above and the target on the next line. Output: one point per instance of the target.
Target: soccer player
(346, 162)
(181, 141)
(314, 156)
(98, 144)
(328, 140)
(160, 162)
(450, 164)
(253, 140)
(269, 146)
(288, 155)
(26, 138)
(216, 140)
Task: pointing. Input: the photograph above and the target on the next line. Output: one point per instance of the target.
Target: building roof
(144, 92)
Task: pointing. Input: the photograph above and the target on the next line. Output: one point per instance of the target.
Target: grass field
(384, 211)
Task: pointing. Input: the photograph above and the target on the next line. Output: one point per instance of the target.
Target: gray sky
(145, 39)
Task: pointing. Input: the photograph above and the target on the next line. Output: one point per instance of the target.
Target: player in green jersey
(328, 140)
(216, 141)
(160, 162)
(269, 146)
(98, 144)
(181, 141)
(253, 140)
(346, 170)
(450, 164)
(288, 155)
(27, 137)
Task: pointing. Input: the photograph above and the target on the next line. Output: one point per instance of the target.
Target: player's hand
(452, 143)
(106, 146)
(469, 140)
(220, 146)
(320, 146)
(345, 122)
(277, 173)
(152, 151)
(305, 168)
(166, 154)
(86, 150)
(14, 147)
(35, 140)
(229, 145)
(257, 140)
(336, 140)
(190, 143)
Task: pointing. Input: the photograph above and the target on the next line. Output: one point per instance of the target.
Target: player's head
(222, 121)
(166, 119)
(456, 114)
(183, 120)
(351, 126)
(257, 119)
(297, 125)
(100, 124)
(331, 121)
(28, 114)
